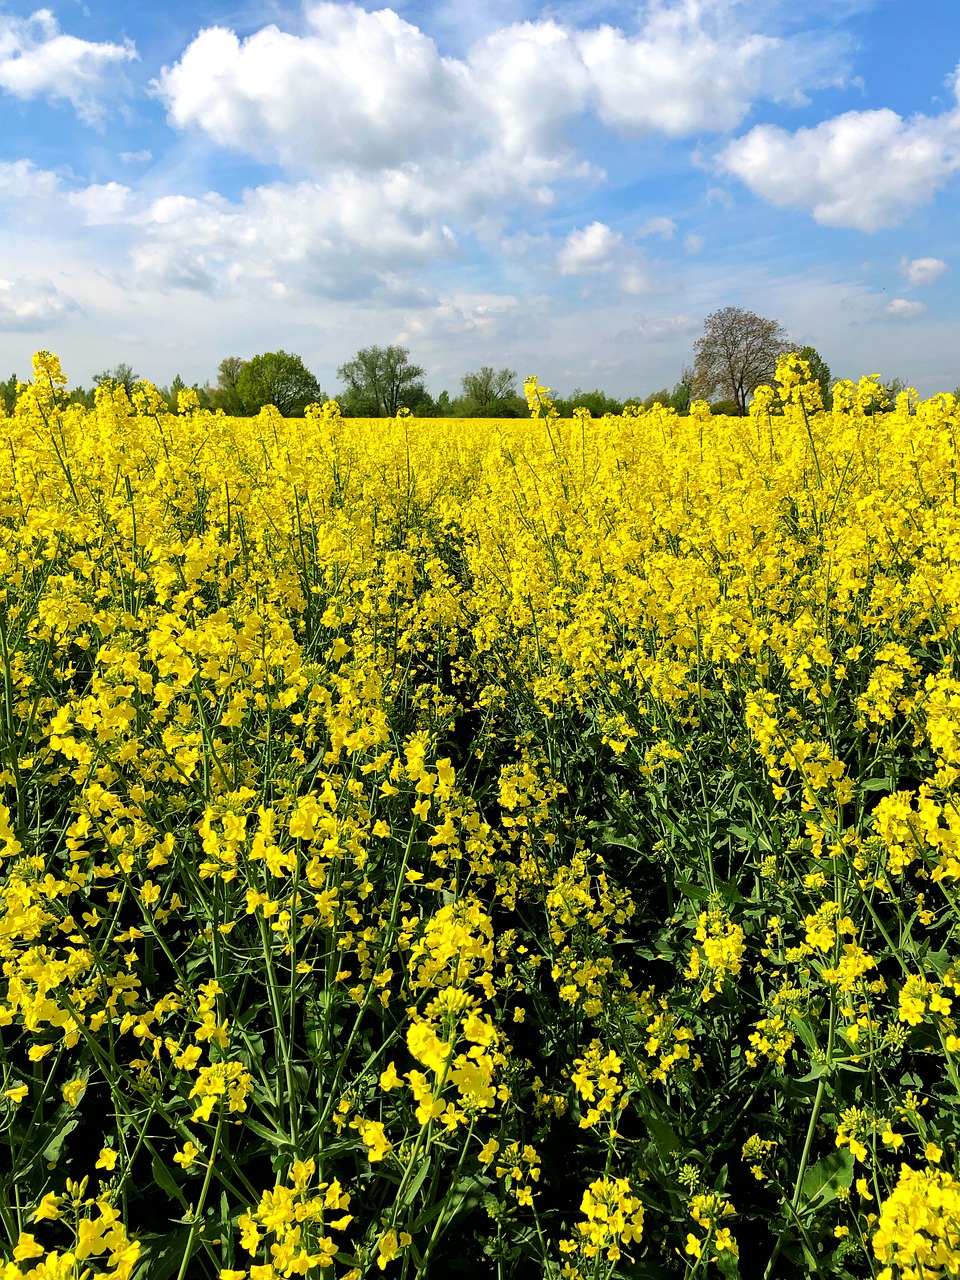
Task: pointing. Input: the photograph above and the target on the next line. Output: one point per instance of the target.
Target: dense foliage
(517, 848)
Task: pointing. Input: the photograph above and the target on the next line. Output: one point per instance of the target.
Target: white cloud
(597, 250)
(638, 278)
(32, 306)
(664, 227)
(524, 83)
(676, 77)
(136, 157)
(588, 249)
(102, 203)
(371, 91)
(21, 181)
(693, 243)
(862, 169)
(349, 237)
(37, 60)
(920, 271)
(365, 89)
(905, 308)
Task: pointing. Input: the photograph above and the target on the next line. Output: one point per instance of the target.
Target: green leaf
(804, 1031)
(418, 1180)
(165, 1179)
(815, 1072)
(664, 1138)
(727, 1265)
(822, 1182)
(939, 961)
(51, 1152)
(694, 891)
(271, 1135)
(161, 1256)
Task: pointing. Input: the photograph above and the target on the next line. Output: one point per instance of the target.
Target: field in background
(438, 847)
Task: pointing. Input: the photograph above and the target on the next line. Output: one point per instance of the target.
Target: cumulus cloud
(598, 250)
(22, 181)
(862, 169)
(365, 89)
(38, 61)
(372, 91)
(588, 249)
(102, 203)
(349, 237)
(905, 308)
(676, 77)
(920, 271)
(32, 306)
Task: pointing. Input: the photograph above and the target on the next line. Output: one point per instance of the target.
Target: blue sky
(565, 189)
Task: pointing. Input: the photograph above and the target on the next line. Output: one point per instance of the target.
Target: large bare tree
(737, 353)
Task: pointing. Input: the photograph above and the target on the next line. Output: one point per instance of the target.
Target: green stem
(198, 1212)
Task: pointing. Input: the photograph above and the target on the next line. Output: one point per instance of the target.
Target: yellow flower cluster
(719, 953)
(296, 1221)
(403, 803)
(918, 1231)
(612, 1219)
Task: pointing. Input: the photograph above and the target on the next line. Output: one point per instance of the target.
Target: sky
(567, 190)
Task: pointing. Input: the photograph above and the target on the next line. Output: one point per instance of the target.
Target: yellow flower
(73, 1092)
(389, 1246)
(187, 1155)
(389, 1078)
(107, 1160)
(17, 1093)
(47, 1208)
(693, 1246)
(724, 1241)
(149, 893)
(27, 1247)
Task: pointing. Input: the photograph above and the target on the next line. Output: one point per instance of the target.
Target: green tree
(8, 393)
(280, 379)
(489, 394)
(380, 381)
(820, 371)
(171, 394)
(597, 401)
(121, 375)
(680, 395)
(85, 396)
(226, 395)
(737, 353)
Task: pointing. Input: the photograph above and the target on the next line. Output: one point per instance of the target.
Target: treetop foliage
(380, 381)
(737, 353)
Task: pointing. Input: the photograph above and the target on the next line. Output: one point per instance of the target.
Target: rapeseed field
(523, 848)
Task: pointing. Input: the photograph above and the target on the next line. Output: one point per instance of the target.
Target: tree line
(736, 353)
